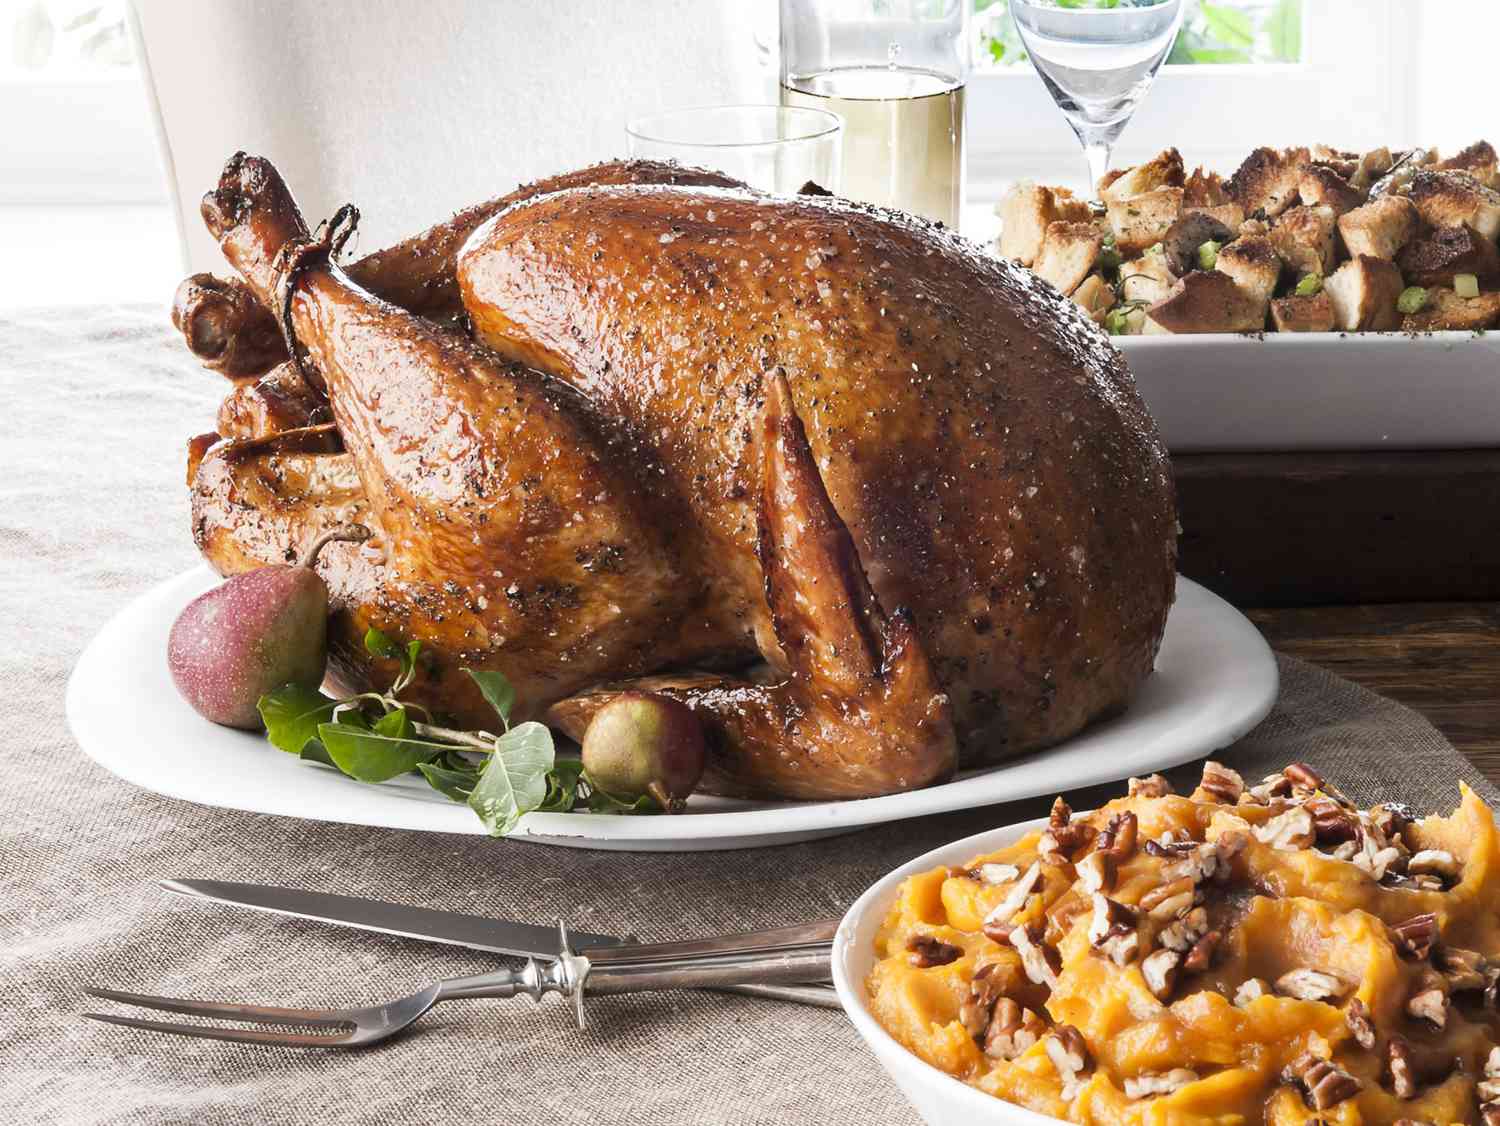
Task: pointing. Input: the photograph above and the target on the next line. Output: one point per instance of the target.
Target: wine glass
(773, 148)
(1097, 59)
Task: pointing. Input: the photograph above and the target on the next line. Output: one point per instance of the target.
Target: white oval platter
(1215, 679)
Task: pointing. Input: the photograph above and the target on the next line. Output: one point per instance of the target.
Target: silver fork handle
(571, 975)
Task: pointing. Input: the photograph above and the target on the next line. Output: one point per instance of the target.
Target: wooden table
(1381, 566)
(1441, 658)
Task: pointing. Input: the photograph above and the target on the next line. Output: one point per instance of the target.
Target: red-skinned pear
(252, 634)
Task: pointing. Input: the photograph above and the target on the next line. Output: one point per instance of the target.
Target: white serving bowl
(939, 1098)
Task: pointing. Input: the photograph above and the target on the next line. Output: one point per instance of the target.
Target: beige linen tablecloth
(96, 406)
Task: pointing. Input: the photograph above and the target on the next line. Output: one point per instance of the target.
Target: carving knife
(498, 936)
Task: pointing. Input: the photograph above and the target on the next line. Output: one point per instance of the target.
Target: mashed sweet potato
(1245, 954)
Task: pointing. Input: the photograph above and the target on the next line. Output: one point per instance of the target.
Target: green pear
(254, 633)
(642, 743)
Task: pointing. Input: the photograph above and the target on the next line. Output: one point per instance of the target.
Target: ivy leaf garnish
(497, 691)
(514, 780)
(456, 785)
(292, 714)
(371, 756)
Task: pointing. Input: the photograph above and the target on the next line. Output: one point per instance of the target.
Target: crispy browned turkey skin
(870, 501)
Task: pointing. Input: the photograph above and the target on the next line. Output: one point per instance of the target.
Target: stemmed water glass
(1097, 59)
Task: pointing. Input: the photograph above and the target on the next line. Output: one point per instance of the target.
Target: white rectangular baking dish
(1320, 391)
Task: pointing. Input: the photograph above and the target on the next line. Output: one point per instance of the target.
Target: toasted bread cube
(1447, 252)
(1025, 214)
(1313, 313)
(1267, 181)
(1380, 228)
(1363, 292)
(1162, 171)
(1373, 165)
(1232, 215)
(1341, 161)
(1320, 184)
(1143, 220)
(1148, 278)
(1095, 296)
(1446, 199)
(1068, 253)
(1446, 310)
(1303, 237)
(1204, 189)
(1479, 160)
(1255, 267)
(1206, 301)
(1184, 237)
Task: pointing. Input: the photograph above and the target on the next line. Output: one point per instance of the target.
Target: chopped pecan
(1039, 961)
(1201, 956)
(1152, 786)
(1271, 787)
(1464, 969)
(1361, 1026)
(1221, 783)
(1310, 985)
(1169, 845)
(1300, 774)
(1332, 823)
(1063, 836)
(1160, 971)
(994, 873)
(1324, 1083)
(1110, 919)
(1198, 863)
(1122, 949)
(984, 991)
(1377, 859)
(1014, 900)
(1290, 830)
(1430, 1005)
(1183, 932)
(1120, 836)
(1167, 892)
(1070, 1055)
(1231, 844)
(1437, 862)
(1391, 817)
(1421, 882)
(1012, 1030)
(1096, 871)
(1403, 1072)
(1414, 937)
(1149, 1083)
(1249, 990)
(927, 951)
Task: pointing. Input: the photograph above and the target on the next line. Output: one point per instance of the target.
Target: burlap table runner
(96, 406)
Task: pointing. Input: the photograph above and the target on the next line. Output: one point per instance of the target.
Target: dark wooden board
(1326, 528)
(1443, 660)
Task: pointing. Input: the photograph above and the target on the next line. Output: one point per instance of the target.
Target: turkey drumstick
(231, 331)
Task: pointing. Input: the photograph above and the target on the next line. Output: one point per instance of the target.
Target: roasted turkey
(875, 504)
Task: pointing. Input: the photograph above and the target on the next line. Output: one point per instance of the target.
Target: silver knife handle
(763, 967)
(780, 938)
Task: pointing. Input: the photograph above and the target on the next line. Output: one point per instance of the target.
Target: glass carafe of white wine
(1097, 59)
(894, 70)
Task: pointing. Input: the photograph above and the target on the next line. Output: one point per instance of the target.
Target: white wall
(414, 108)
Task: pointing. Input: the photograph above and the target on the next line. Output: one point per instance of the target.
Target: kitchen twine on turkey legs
(293, 259)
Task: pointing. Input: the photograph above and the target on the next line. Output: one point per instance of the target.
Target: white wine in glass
(1097, 59)
(903, 135)
(894, 71)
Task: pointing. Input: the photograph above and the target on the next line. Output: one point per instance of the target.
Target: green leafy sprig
(375, 736)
